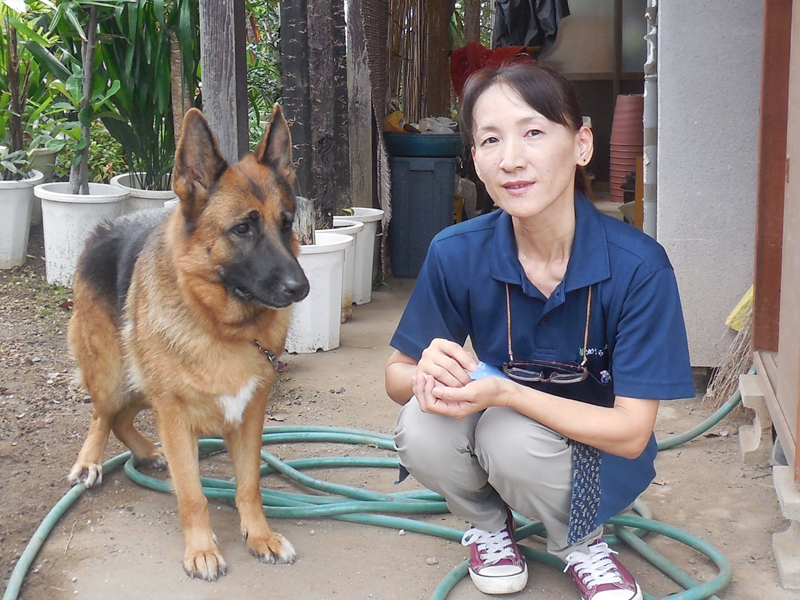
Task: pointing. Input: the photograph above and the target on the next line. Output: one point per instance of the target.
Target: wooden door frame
(771, 173)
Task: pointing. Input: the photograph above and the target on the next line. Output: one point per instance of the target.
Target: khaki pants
(489, 460)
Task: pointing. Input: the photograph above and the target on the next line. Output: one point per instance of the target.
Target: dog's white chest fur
(234, 405)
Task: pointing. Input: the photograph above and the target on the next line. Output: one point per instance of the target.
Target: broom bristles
(737, 361)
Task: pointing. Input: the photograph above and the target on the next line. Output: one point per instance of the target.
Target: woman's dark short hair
(548, 92)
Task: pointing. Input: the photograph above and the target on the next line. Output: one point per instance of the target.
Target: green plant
(14, 165)
(263, 64)
(74, 65)
(106, 157)
(139, 53)
(20, 81)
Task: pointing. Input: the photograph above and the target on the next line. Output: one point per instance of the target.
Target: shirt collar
(588, 263)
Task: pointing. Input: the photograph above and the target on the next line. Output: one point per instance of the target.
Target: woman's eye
(533, 132)
(242, 228)
(489, 140)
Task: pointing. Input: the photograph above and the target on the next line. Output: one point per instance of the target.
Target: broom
(737, 361)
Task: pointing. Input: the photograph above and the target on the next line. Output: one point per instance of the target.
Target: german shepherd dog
(184, 312)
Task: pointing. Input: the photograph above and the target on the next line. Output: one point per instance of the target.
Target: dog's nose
(296, 288)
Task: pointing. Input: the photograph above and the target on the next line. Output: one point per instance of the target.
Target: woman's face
(526, 161)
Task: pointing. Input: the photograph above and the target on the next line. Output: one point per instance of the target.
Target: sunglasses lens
(528, 373)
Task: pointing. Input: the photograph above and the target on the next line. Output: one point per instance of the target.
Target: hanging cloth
(528, 22)
(465, 61)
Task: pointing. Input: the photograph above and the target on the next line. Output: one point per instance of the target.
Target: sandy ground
(125, 541)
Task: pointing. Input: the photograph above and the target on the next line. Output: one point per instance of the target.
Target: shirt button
(545, 321)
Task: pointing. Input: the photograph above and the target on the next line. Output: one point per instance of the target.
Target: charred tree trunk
(315, 98)
(296, 104)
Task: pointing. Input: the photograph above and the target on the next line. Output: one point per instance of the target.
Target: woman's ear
(584, 146)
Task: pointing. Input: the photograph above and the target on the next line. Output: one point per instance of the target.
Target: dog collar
(273, 360)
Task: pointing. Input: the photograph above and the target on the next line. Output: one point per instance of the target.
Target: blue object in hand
(485, 370)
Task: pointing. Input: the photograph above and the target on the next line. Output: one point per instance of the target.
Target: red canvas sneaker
(600, 576)
(495, 563)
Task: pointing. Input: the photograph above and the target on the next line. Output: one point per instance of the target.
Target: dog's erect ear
(198, 165)
(275, 148)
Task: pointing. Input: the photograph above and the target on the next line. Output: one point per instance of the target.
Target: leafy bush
(106, 157)
(263, 64)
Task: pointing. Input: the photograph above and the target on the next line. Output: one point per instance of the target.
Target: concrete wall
(709, 78)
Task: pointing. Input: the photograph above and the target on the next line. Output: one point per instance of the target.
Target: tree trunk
(472, 21)
(304, 221)
(181, 94)
(17, 104)
(79, 173)
(436, 67)
(296, 105)
(327, 74)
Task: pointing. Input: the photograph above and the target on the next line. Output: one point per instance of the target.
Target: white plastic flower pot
(364, 252)
(139, 199)
(68, 219)
(16, 202)
(351, 228)
(316, 321)
(42, 160)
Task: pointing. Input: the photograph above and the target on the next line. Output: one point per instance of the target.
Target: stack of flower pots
(626, 140)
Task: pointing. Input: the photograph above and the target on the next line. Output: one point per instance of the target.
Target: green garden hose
(363, 506)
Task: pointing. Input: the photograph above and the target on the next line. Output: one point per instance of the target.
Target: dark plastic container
(422, 205)
(423, 144)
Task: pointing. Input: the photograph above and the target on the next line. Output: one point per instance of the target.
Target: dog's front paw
(89, 474)
(206, 564)
(272, 548)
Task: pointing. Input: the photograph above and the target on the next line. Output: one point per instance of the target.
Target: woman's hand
(459, 402)
(447, 362)
(443, 361)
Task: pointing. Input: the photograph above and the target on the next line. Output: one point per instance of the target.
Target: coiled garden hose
(359, 505)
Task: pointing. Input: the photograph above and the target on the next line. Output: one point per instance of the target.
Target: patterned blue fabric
(585, 491)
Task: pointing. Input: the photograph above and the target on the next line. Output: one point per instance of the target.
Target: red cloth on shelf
(465, 61)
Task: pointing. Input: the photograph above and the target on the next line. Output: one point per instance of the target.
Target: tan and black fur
(171, 312)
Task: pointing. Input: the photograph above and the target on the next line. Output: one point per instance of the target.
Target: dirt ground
(125, 540)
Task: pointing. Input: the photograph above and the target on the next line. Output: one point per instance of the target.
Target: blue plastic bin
(422, 205)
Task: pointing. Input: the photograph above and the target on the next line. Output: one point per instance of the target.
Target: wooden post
(362, 158)
(772, 173)
(296, 103)
(315, 98)
(222, 52)
(472, 21)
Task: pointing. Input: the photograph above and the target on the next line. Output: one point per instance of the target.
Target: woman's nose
(511, 157)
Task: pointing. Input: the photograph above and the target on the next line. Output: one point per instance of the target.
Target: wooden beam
(222, 52)
(296, 103)
(362, 156)
(771, 173)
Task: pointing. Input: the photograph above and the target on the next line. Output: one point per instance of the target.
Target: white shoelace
(596, 568)
(492, 546)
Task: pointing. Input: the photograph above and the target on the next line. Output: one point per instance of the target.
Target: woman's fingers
(448, 362)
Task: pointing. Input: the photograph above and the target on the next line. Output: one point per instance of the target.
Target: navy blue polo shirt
(636, 328)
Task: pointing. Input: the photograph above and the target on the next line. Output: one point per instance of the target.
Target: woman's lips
(517, 187)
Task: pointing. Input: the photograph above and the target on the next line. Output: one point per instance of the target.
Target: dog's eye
(287, 220)
(242, 229)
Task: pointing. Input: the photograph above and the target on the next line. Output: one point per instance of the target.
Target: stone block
(753, 435)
